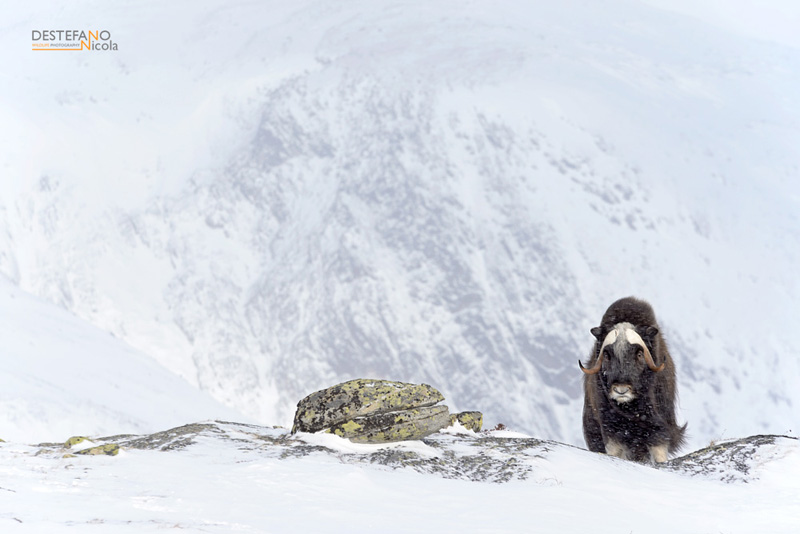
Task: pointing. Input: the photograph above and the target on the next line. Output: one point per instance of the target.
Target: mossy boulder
(109, 449)
(357, 399)
(394, 426)
(469, 420)
(74, 440)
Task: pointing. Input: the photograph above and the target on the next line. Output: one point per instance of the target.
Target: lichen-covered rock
(74, 440)
(359, 398)
(395, 426)
(109, 449)
(469, 420)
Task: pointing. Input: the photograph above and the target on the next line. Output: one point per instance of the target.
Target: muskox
(629, 387)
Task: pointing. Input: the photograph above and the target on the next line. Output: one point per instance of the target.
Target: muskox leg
(591, 430)
(615, 448)
(658, 453)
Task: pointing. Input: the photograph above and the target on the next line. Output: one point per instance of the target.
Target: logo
(76, 40)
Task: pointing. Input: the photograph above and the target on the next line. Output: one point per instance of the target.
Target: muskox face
(624, 361)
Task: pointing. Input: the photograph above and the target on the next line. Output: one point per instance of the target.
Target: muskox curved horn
(648, 358)
(595, 369)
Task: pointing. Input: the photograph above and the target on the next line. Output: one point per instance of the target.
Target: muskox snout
(622, 393)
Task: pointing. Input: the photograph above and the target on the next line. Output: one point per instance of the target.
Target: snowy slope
(61, 376)
(269, 198)
(235, 478)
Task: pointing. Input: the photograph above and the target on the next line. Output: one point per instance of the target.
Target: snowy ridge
(60, 375)
(278, 198)
(225, 477)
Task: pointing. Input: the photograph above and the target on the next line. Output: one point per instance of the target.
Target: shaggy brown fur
(644, 428)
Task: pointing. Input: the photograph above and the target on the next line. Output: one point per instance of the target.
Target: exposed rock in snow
(360, 398)
(490, 456)
(378, 411)
(469, 420)
(224, 477)
(731, 461)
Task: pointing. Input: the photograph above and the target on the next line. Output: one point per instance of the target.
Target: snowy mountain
(268, 199)
(61, 376)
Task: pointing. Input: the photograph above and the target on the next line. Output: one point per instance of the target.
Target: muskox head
(625, 361)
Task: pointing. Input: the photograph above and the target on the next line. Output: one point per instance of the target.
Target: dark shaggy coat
(640, 424)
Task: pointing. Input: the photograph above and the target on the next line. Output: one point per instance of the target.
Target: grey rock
(480, 458)
(729, 461)
(469, 420)
(394, 426)
(360, 398)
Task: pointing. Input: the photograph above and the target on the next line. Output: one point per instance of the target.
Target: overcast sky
(772, 20)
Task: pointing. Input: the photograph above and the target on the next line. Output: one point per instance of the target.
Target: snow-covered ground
(235, 478)
(61, 376)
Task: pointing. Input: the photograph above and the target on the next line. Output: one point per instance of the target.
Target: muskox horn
(596, 369)
(650, 363)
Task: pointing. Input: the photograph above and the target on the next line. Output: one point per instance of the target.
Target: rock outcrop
(401, 425)
(489, 456)
(373, 411)
(469, 420)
